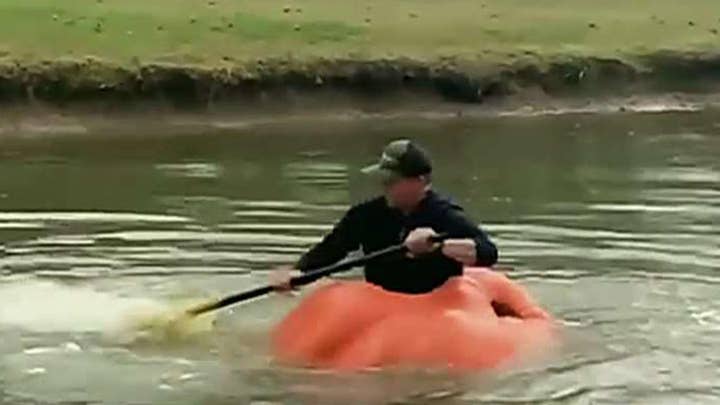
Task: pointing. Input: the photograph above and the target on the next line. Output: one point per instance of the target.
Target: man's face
(404, 192)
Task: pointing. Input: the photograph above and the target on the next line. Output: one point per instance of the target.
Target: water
(610, 220)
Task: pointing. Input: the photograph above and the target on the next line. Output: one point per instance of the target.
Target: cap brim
(379, 172)
(371, 169)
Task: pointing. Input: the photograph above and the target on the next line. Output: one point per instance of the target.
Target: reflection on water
(609, 220)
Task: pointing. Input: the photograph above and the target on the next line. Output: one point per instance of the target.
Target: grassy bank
(224, 43)
(211, 31)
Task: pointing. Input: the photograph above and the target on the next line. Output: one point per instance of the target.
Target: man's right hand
(280, 279)
(419, 241)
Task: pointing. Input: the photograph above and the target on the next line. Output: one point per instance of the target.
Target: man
(410, 212)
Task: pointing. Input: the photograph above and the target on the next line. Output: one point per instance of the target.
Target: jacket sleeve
(458, 226)
(343, 239)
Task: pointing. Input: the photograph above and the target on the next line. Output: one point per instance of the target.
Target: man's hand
(280, 279)
(462, 250)
(418, 241)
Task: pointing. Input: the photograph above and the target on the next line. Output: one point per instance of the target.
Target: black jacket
(373, 225)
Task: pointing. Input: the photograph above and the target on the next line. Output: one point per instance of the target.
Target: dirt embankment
(268, 82)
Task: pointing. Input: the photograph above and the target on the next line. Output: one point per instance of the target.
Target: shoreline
(95, 85)
(42, 121)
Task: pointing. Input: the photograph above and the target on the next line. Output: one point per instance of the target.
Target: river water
(611, 220)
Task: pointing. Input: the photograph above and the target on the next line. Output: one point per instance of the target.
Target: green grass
(203, 32)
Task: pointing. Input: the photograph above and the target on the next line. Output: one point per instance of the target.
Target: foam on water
(47, 306)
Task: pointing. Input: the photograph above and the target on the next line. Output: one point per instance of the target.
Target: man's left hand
(462, 250)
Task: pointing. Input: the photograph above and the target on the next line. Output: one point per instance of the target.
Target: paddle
(304, 279)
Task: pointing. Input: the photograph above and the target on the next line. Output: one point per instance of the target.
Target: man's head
(404, 169)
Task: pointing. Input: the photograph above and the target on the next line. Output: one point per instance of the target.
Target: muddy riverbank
(98, 84)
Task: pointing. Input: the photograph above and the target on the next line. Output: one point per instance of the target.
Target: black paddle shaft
(306, 278)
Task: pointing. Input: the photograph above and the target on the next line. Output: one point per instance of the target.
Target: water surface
(610, 220)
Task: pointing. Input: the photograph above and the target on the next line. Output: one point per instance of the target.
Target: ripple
(518, 244)
(317, 168)
(639, 208)
(268, 214)
(553, 274)
(180, 236)
(618, 255)
(661, 193)
(703, 250)
(564, 394)
(144, 271)
(10, 226)
(94, 216)
(61, 241)
(35, 371)
(689, 197)
(313, 173)
(191, 170)
(277, 227)
(679, 174)
(267, 204)
(188, 256)
(288, 205)
(84, 274)
(685, 277)
(35, 261)
(561, 232)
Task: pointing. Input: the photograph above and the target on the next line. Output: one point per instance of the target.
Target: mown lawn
(213, 32)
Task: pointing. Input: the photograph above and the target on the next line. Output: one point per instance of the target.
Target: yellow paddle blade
(169, 323)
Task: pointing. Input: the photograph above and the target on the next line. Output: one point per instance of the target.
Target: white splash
(47, 306)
